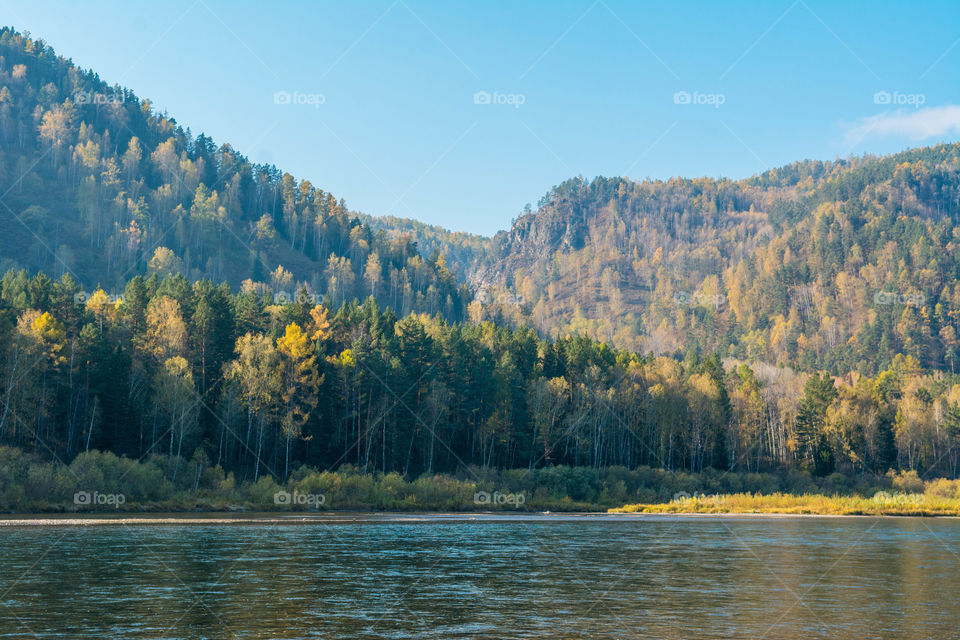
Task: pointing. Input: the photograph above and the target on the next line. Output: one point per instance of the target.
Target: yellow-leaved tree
(299, 382)
(319, 324)
(102, 307)
(166, 330)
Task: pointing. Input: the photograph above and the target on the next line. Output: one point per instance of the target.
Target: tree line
(261, 386)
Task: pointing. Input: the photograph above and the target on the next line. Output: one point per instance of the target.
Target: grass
(883, 503)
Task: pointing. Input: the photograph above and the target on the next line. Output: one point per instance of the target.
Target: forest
(259, 386)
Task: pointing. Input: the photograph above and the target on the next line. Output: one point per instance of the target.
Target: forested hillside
(815, 265)
(99, 185)
(164, 296)
(464, 253)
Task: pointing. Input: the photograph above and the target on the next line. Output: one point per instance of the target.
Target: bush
(262, 493)
(943, 488)
(908, 482)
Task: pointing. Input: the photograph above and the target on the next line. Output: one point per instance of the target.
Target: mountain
(816, 265)
(837, 265)
(95, 184)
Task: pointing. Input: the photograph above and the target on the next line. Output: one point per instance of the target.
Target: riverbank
(334, 519)
(880, 504)
(96, 482)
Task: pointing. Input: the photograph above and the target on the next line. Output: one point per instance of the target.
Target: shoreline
(207, 519)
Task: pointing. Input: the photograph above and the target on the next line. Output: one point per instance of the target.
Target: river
(515, 576)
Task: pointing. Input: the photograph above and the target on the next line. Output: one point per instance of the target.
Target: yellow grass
(881, 504)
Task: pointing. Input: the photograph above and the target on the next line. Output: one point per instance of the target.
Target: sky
(459, 114)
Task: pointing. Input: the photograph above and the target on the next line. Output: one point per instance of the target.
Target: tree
(34, 388)
(131, 160)
(56, 129)
(166, 331)
(814, 448)
(212, 330)
(299, 381)
(548, 400)
(373, 273)
(319, 324)
(177, 397)
(102, 307)
(165, 262)
(256, 371)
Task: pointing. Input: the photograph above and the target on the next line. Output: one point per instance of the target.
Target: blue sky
(388, 99)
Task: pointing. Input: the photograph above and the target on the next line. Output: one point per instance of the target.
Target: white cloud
(915, 124)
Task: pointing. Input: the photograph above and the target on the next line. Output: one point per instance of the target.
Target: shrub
(943, 488)
(908, 482)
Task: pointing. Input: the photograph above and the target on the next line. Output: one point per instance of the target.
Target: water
(456, 577)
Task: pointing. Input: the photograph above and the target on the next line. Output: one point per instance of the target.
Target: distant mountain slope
(839, 264)
(465, 252)
(96, 184)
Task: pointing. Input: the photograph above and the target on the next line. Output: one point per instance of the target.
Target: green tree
(818, 393)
